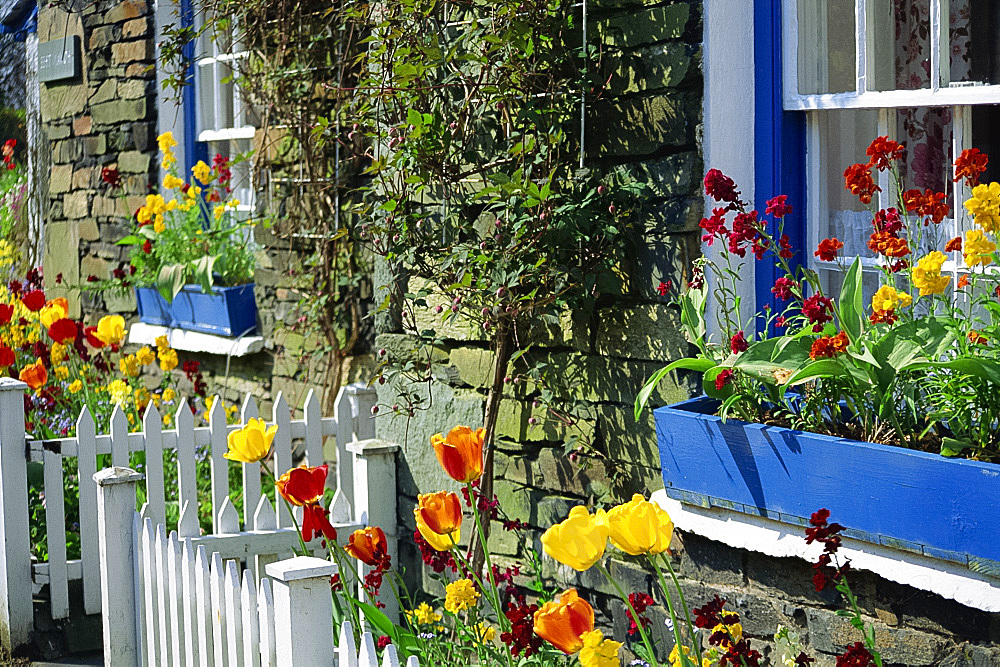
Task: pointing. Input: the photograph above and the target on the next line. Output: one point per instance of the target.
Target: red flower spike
(827, 250)
(783, 288)
(720, 187)
(778, 206)
(969, 165)
(858, 179)
(738, 343)
(883, 151)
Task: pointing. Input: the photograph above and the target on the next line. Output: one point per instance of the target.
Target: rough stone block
(100, 37)
(627, 441)
(85, 177)
(676, 175)
(643, 126)
(110, 207)
(513, 423)
(551, 470)
(118, 111)
(87, 229)
(602, 379)
(645, 27)
(95, 145)
(82, 125)
(474, 366)
(139, 70)
(60, 131)
(402, 347)
(128, 52)
(60, 178)
(58, 237)
(648, 331)
(131, 89)
(60, 101)
(135, 28)
(130, 9)
(77, 204)
(108, 90)
(651, 68)
(133, 162)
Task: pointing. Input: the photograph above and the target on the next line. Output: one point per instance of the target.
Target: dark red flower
(383, 641)
(803, 660)
(664, 288)
(969, 165)
(745, 231)
(858, 179)
(6, 312)
(779, 321)
(640, 602)
(720, 187)
(15, 287)
(778, 207)
(882, 151)
(147, 247)
(783, 288)
(738, 343)
(786, 247)
(34, 300)
(111, 176)
(714, 226)
(7, 357)
(856, 655)
(438, 561)
(930, 204)
(817, 310)
(708, 615)
(827, 250)
(521, 639)
(63, 330)
(723, 378)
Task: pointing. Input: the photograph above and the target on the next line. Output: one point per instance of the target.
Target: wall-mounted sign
(59, 59)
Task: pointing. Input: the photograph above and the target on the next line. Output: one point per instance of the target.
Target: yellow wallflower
(640, 527)
(171, 182)
(57, 353)
(202, 172)
(926, 275)
(141, 398)
(889, 298)
(598, 651)
(424, 614)
(218, 211)
(483, 632)
(119, 391)
(168, 360)
(145, 355)
(75, 387)
(675, 658)
(579, 541)
(984, 206)
(166, 141)
(129, 365)
(61, 371)
(977, 249)
(162, 343)
(459, 596)
(167, 419)
(169, 394)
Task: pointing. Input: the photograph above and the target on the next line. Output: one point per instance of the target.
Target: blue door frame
(193, 149)
(779, 145)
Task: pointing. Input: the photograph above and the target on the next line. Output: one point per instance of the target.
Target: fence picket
(206, 635)
(265, 616)
(218, 435)
(189, 602)
(151, 428)
(263, 519)
(251, 624)
(282, 449)
(218, 594)
(89, 548)
(347, 651)
(55, 520)
(152, 619)
(234, 615)
(389, 656)
(341, 506)
(313, 418)
(367, 657)
(174, 592)
(162, 595)
(187, 481)
(251, 471)
(119, 438)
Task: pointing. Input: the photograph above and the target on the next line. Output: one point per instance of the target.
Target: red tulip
(34, 300)
(6, 313)
(7, 358)
(63, 330)
(303, 485)
(92, 339)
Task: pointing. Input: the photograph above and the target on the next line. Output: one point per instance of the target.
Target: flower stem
(670, 608)
(635, 616)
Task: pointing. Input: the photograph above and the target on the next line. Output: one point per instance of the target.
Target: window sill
(195, 341)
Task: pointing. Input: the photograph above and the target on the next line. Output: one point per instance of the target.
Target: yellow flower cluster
(8, 253)
(129, 365)
(76, 386)
(888, 298)
(220, 210)
(424, 614)
(202, 172)
(168, 356)
(984, 206)
(675, 658)
(977, 249)
(119, 391)
(926, 275)
(598, 651)
(460, 595)
(153, 211)
(166, 143)
(58, 353)
(171, 182)
(145, 355)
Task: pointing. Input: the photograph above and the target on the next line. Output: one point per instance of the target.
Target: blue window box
(943, 508)
(227, 311)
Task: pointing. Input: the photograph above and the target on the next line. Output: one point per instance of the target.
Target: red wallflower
(720, 187)
(663, 288)
(856, 655)
(963, 281)
(34, 300)
(778, 207)
(722, 379)
(954, 245)
(817, 310)
(783, 288)
(977, 338)
(828, 248)
(6, 312)
(882, 151)
(829, 346)
(888, 244)
(888, 220)
(6, 356)
(738, 343)
(640, 602)
(714, 226)
(147, 247)
(111, 176)
(745, 230)
(63, 330)
(930, 204)
(969, 165)
(858, 179)
(521, 639)
(786, 247)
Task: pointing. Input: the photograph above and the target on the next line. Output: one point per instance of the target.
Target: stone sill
(195, 341)
(772, 538)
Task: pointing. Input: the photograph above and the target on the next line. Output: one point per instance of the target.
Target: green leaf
(131, 239)
(378, 619)
(820, 368)
(170, 280)
(852, 309)
(953, 446)
(693, 364)
(201, 272)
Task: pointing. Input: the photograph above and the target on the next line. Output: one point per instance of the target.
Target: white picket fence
(169, 600)
(20, 577)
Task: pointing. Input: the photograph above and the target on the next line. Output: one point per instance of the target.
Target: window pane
(205, 86)
(899, 51)
(926, 132)
(975, 48)
(826, 43)
(985, 121)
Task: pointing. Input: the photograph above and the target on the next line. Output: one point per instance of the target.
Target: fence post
(303, 607)
(116, 535)
(375, 500)
(16, 611)
(363, 398)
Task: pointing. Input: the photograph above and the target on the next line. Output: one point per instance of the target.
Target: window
(225, 125)
(924, 72)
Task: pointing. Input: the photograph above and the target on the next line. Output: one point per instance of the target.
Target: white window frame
(960, 97)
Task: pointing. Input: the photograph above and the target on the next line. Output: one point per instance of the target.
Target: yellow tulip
(53, 311)
(111, 329)
(438, 541)
(640, 527)
(579, 541)
(251, 443)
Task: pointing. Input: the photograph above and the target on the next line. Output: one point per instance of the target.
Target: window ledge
(772, 538)
(195, 341)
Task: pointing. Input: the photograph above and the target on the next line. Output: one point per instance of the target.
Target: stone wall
(647, 121)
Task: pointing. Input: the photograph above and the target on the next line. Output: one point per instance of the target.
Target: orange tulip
(439, 519)
(563, 623)
(461, 453)
(368, 545)
(303, 485)
(34, 375)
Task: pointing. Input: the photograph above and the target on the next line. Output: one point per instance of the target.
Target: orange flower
(882, 317)
(963, 281)
(954, 245)
(461, 453)
(977, 338)
(858, 179)
(969, 165)
(34, 375)
(829, 346)
(888, 244)
(303, 485)
(827, 250)
(929, 204)
(882, 150)
(441, 511)
(563, 623)
(368, 545)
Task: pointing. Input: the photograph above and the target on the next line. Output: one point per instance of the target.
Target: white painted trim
(875, 99)
(778, 540)
(169, 111)
(141, 333)
(246, 132)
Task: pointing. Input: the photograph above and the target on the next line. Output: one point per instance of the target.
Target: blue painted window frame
(779, 146)
(194, 150)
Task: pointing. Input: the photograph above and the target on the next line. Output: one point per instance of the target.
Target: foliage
(916, 366)
(194, 237)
